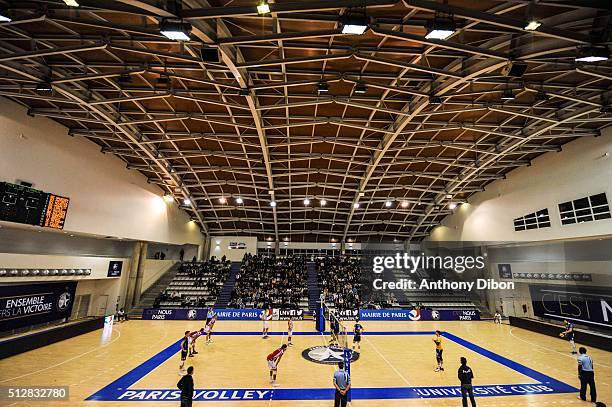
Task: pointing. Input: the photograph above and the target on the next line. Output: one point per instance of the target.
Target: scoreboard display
(21, 204)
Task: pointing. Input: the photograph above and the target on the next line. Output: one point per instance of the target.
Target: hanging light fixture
(263, 7)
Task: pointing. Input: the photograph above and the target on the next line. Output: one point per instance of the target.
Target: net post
(347, 367)
(320, 320)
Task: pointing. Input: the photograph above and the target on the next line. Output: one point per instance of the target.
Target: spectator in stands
(586, 374)
(340, 281)
(271, 281)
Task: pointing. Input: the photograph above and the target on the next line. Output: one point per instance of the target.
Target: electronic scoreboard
(21, 204)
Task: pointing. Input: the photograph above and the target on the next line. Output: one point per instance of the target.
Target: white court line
(65, 361)
(556, 351)
(394, 369)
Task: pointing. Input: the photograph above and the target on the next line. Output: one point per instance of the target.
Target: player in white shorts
(208, 329)
(274, 359)
(266, 317)
(193, 336)
(289, 331)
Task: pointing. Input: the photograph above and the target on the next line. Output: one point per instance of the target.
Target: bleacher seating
(197, 284)
(270, 281)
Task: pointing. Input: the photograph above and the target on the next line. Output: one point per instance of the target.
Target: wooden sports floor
(139, 359)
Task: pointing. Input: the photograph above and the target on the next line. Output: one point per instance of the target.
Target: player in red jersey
(209, 328)
(193, 336)
(289, 331)
(274, 359)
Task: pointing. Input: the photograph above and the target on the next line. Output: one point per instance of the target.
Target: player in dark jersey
(439, 350)
(569, 334)
(357, 330)
(335, 330)
(184, 351)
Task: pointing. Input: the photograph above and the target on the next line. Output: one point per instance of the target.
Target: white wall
(219, 246)
(106, 199)
(580, 170)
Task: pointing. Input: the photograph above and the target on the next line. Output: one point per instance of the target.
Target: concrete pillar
(140, 273)
(204, 252)
(277, 248)
(342, 247)
(129, 292)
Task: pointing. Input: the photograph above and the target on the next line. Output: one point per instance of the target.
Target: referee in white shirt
(342, 383)
(586, 374)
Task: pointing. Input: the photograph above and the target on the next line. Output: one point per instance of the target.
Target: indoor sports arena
(305, 203)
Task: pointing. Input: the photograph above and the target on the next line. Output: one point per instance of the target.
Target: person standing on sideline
(342, 383)
(466, 375)
(185, 385)
(586, 374)
(182, 254)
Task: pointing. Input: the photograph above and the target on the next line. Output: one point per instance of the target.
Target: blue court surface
(120, 389)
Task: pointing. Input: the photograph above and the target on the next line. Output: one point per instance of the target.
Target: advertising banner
(200, 314)
(580, 304)
(419, 315)
(347, 314)
(285, 314)
(24, 305)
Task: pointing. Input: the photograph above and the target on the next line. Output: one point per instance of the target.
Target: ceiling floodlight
(355, 25)
(440, 28)
(4, 18)
(263, 7)
(175, 29)
(592, 54)
(361, 88)
(533, 25)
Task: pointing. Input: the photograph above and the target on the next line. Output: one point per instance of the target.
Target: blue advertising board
(364, 314)
(200, 314)
(30, 304)
(419, 315)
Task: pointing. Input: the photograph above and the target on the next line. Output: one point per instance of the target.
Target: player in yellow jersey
(439, 349)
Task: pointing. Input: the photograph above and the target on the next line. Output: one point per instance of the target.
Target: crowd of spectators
(269, 281)
(210, 275)
(340, 281)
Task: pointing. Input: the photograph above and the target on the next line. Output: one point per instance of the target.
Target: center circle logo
(327, 355)
(63, 302)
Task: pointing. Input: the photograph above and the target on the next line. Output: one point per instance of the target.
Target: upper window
(588, 209)
(536, 220)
